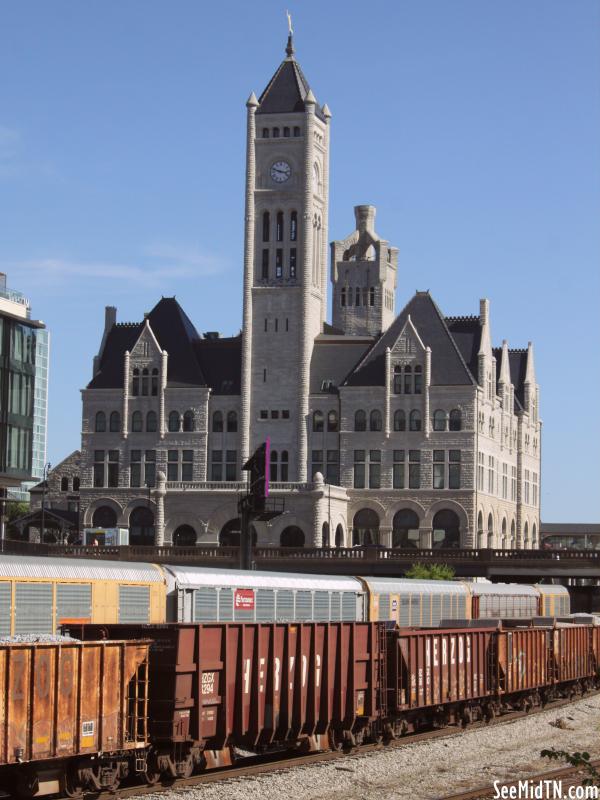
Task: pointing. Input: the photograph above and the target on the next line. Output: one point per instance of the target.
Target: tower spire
(290, 41)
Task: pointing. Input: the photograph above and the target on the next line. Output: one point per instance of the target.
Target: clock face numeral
(280, 171)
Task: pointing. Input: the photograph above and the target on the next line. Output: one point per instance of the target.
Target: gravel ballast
(426, 770)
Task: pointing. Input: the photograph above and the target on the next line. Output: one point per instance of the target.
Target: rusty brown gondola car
(255, 686)
(62, 704)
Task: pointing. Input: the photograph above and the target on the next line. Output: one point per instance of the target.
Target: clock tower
(285, 257)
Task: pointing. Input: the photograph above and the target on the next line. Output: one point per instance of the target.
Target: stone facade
(403, 430)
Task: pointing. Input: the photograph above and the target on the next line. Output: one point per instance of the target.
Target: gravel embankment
(425, 771)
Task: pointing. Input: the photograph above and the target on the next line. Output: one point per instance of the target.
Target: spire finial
(290, 42)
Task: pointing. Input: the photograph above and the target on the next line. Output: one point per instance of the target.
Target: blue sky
(473, 126)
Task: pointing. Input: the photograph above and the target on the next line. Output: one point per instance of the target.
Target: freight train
(38, 595)
(164, 701)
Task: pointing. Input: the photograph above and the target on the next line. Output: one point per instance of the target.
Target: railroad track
(568, 776)
(251, 767)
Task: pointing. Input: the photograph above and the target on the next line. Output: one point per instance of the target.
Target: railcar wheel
(152, 771)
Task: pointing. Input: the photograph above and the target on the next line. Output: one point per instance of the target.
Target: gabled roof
(221, 363)
(448, 366)
(287, 90)
(333, 358)
(174, 332)
(466, 332)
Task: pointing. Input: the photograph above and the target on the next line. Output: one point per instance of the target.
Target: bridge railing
(271, 555)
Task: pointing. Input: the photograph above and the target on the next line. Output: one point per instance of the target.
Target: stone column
(159, 521)
(318, 493)
(388, 381)
(427, 421)
(325, 225)
(249, 226)
(125, 420)
(425, 538)
(306, 280)
(162, 424)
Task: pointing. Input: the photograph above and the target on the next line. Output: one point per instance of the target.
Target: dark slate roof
(466, 332)
(448, 367)
(174, 332)
(518, 367)
(333, 358)
(221, 362)
(286, 91)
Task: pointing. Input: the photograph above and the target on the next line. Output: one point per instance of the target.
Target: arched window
(279, 227)
(145, 377)
(265, 133)
(526, 535)
(275, 133)
(64, 484)
(104, 517)
(339, 536)
(503, 543)
(456, 419)
(513, 534)
(343, 297)
(446, 530)
(188, 421)
(405, 531)
(284, 466)
(415, 420)
(114, 422)
(357, 298)
(490, 531)
(325, 535)
(375, 420)
(266, 225)
(332, 421)
(397, 379)
(365, 527)
(184, 536)
(154, 382)
(76, 483)
(534, 542)
(286, 132)
(100, 425)
(293, 226)
(135, 383)
(296, 130)
(408, 380)
(439, 420)
(174, 421)
(273, 466)
(232, 424)
(360, 420)
(292, 536)
(141, 526)
(317, 421)
(151, 422)
(372, 296)
(399, 420)
(136, 421)
(217, 422)
(418, 379)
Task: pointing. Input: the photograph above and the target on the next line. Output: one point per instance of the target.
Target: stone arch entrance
(325, 535)
(365, 527)
(184, 536)
(141, 526)
(292, 536)
(446, 529)
(339, 536)
(104, 517)
(490, 531)
(229, 535)
(405, 529)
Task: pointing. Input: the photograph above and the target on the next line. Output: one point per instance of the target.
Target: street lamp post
(44, 482)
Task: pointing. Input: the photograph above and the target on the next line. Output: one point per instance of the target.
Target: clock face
(281, 171)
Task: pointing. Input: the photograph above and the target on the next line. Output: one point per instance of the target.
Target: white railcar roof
(414, 586)
(196, 577)
(515, 589)
(78, 569)
(551, 588)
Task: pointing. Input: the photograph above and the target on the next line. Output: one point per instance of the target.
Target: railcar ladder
(382, 688)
